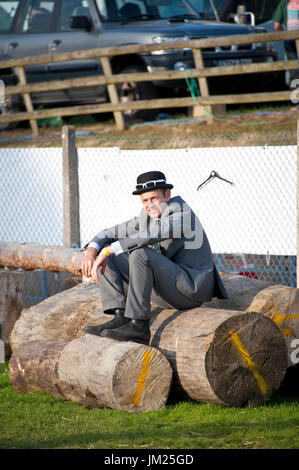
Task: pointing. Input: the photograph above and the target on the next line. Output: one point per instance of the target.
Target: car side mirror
(79, 22)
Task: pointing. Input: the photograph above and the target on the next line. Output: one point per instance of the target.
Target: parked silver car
(34, 27)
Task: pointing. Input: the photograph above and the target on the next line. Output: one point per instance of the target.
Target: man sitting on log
(163, 257)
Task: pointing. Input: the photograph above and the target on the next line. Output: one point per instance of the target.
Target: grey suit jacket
(182, 239)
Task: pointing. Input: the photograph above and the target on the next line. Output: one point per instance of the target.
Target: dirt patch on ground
(252, 128)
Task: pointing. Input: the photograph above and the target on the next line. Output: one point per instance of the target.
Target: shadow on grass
(189, 436)
(184, 424)
(290, 385)
(181, 425)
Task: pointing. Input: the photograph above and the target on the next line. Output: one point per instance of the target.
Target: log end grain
(247, 360)
(142, 382)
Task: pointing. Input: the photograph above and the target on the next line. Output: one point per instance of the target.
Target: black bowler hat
(150, 181)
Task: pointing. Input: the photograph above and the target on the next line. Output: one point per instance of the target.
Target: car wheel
(135, 91)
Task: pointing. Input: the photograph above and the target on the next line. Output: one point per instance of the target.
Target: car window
(72, 8)
(134, 8)
(168, 9)
(37, 16)
(120, 10)
(205, 8)
(263, 9)
(8, 11)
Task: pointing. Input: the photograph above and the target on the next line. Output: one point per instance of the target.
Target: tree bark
(278, 302)
(95, 372)
(190, 340)
(11, 304)
(62, 316)
(222, 356)
(241, 291)
(31, 256)
(33, 368)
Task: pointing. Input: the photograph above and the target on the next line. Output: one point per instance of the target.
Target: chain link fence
(241, 185)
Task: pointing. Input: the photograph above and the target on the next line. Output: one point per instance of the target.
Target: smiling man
(161, 257)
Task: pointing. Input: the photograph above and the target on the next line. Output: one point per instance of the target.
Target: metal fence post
(71, 221)
(297, 208)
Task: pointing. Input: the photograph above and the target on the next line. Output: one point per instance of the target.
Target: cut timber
(280, 303)
(60, 317)
(190, 340)
(63, 316)
(11, 303)
(31, 256)
(95, 372)
(119, 375)
(33, 369)
(222, 356)
(241, 291)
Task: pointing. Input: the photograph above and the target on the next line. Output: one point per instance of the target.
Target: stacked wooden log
(11, 304)
(95, 372)
(277, 302)
(63, 320)
(31, 256)
(217, 355)
(52, 354)
(222, 356)
(231, 352)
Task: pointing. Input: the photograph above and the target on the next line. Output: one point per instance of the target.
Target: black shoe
(118, 320)
(136, 330)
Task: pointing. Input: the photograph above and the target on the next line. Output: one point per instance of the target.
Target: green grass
(40, 421)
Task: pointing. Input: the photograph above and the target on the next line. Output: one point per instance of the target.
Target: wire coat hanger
(213, 174)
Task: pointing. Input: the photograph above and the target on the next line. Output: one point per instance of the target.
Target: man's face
(154, 202)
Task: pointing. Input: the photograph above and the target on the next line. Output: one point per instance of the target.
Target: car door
(30, 35)
(66, 39)
(32, 32)
(8, 19)
(43, 28)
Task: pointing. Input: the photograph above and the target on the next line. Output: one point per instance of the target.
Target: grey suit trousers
(149, 278)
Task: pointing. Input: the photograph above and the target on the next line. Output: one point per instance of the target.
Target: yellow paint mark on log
(287, 332)
(278, 319)
(142, 377)
(252, 366)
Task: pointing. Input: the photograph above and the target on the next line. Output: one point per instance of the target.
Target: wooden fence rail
(199, 72)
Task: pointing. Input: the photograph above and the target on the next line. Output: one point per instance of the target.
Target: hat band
(149, 184)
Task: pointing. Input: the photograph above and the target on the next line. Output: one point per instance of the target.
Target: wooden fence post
(201, 73)
(203, 86)
(204, 90)
(113, 95)
(71, 220)
(27, 100)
